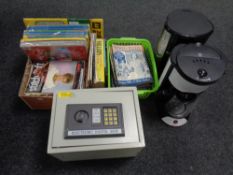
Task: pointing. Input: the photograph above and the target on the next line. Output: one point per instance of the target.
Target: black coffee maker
(190, 70)
(182, 26)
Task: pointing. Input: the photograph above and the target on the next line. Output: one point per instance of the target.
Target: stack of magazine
(56, 42)
(64, 54)
(58, 54)
(130, 67)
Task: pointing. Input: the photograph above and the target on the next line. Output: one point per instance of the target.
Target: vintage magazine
(130, 66)
(61, 76)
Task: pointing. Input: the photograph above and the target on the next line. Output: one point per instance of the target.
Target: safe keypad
(110, 116)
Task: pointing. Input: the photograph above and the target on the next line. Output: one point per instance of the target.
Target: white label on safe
(96, 117)
(94, 132)
(163, 42)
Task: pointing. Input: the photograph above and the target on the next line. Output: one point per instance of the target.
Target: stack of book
(129, 66)
(65, 54)
(56, 42)
(96, 63)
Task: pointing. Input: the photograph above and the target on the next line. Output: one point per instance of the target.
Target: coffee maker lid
(197, 63)
(188, 23)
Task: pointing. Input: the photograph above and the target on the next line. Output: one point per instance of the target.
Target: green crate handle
(128, 38)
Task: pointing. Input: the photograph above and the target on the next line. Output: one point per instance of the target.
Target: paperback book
(60, 76)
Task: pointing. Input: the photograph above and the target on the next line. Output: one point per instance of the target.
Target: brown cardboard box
(40, 101)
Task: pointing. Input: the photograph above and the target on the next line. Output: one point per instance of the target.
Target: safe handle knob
(81, 116)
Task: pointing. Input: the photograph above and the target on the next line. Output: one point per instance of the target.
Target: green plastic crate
(143, 94)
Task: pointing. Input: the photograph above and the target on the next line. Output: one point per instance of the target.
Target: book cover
(55, 50)
(55, 34)
(37, 77)
(59, 27)
(60, 76)
(130, 65)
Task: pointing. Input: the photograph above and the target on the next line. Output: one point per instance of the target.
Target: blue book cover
(61, 27)
(55, 34)
(130, 65)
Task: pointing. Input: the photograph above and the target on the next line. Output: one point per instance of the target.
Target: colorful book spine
(99, 78)
(91, 59)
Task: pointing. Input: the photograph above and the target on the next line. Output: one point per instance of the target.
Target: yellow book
(99, 78)
(97, 26)
(44, 21)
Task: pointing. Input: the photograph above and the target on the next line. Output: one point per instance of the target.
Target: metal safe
(95, 124)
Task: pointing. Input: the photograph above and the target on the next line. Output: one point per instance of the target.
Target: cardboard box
(41, 100)
(37, 101)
